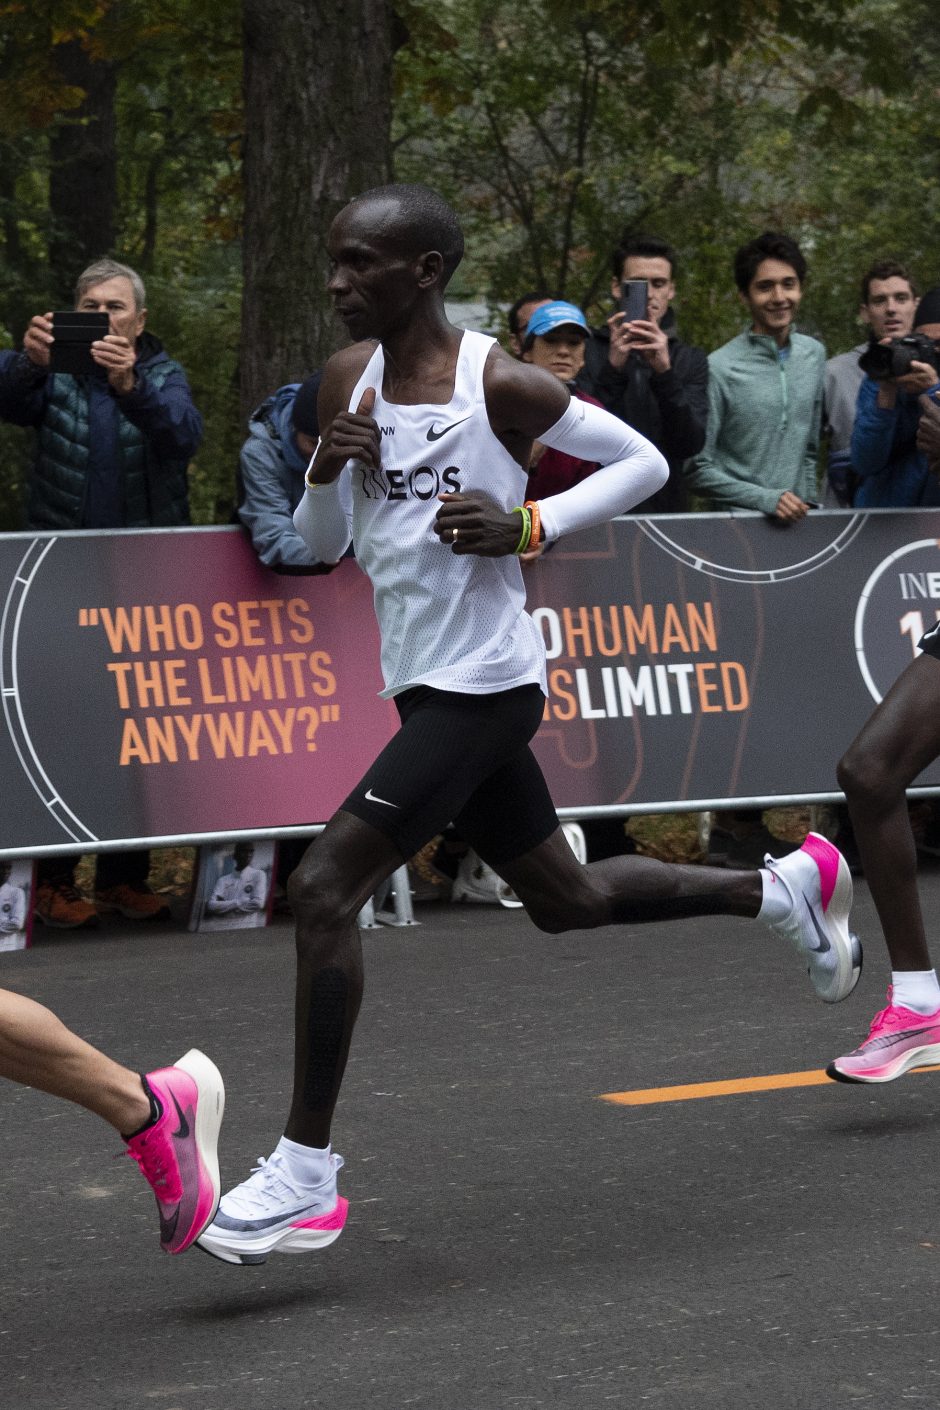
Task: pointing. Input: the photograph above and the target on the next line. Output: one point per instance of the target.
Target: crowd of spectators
(740, 427)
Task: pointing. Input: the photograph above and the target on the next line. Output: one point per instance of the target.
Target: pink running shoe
(177, 1155)
(898, 1040)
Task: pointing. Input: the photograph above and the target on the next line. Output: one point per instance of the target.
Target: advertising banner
(717, 657)
(162, 684)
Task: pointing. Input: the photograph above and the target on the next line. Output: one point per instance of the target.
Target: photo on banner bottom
(17, 879)
(232, 887)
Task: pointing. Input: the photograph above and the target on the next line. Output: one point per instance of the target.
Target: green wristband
(526, 534)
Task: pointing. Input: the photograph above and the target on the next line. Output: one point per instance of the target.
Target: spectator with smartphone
(638, 368)
(765, 392)
(113, 446)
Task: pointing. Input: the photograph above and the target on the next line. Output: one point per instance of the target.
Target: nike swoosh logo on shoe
(230, 1224)
(168, 1226)
(183, 1128)
(823, 945)
(435, 435)
(891, 1040)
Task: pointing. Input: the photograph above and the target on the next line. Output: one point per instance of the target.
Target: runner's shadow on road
(883, 1125)
(230, 1302)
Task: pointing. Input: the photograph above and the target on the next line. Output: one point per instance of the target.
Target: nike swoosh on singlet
(370, 796)
(434, 435)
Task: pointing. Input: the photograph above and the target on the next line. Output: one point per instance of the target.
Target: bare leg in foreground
(170, 1119)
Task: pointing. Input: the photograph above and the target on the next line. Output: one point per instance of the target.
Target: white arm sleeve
(631, 469)
(323, 518)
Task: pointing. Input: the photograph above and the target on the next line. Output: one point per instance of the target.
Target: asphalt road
(514, 1241)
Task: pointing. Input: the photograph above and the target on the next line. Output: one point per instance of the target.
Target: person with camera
(638, 368)
(893, 473)
(113, 445)
(888, 301)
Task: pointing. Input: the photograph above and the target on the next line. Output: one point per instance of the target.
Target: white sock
(915, 989)
(777, 898)
(308, 1166)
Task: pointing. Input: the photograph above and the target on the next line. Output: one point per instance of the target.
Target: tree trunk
(318, 100)
(83, 170)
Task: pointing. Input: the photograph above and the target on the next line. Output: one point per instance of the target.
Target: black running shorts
(461, 759)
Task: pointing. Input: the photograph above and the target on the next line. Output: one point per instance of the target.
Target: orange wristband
(536, 536)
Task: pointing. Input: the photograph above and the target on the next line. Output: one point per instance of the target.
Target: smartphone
(633, 296)
(73, 335)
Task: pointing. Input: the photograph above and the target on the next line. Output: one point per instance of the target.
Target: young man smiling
(764, 393)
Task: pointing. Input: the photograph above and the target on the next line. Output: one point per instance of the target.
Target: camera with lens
(894, 359)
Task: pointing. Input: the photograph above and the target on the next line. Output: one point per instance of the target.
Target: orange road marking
(649, 1096)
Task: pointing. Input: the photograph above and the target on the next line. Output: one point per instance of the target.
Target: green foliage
(552, 127)
(179, 218)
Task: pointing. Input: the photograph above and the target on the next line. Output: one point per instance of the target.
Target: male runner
(437, 525)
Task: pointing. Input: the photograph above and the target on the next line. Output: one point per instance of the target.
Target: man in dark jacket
(113, 450)
(642, 372)
(283, 435)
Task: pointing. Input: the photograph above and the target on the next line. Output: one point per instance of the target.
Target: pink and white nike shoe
(269, 1213)
(178, 1152)
(819, 885)
(898, 1040)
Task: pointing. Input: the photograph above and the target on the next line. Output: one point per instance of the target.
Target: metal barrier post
(366, 918)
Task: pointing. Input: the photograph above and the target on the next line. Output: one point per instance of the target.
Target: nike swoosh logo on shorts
(435, 435)
(823, 945)
(371, 798)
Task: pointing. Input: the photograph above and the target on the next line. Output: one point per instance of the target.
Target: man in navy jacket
(113, 448)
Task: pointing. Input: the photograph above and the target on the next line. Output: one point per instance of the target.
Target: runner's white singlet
(452, 621)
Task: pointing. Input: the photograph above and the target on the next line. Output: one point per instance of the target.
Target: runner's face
(372, 284)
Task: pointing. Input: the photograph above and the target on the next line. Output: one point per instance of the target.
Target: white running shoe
(574, 835)
(269, 1213)
(818, 879)
(475, 881)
